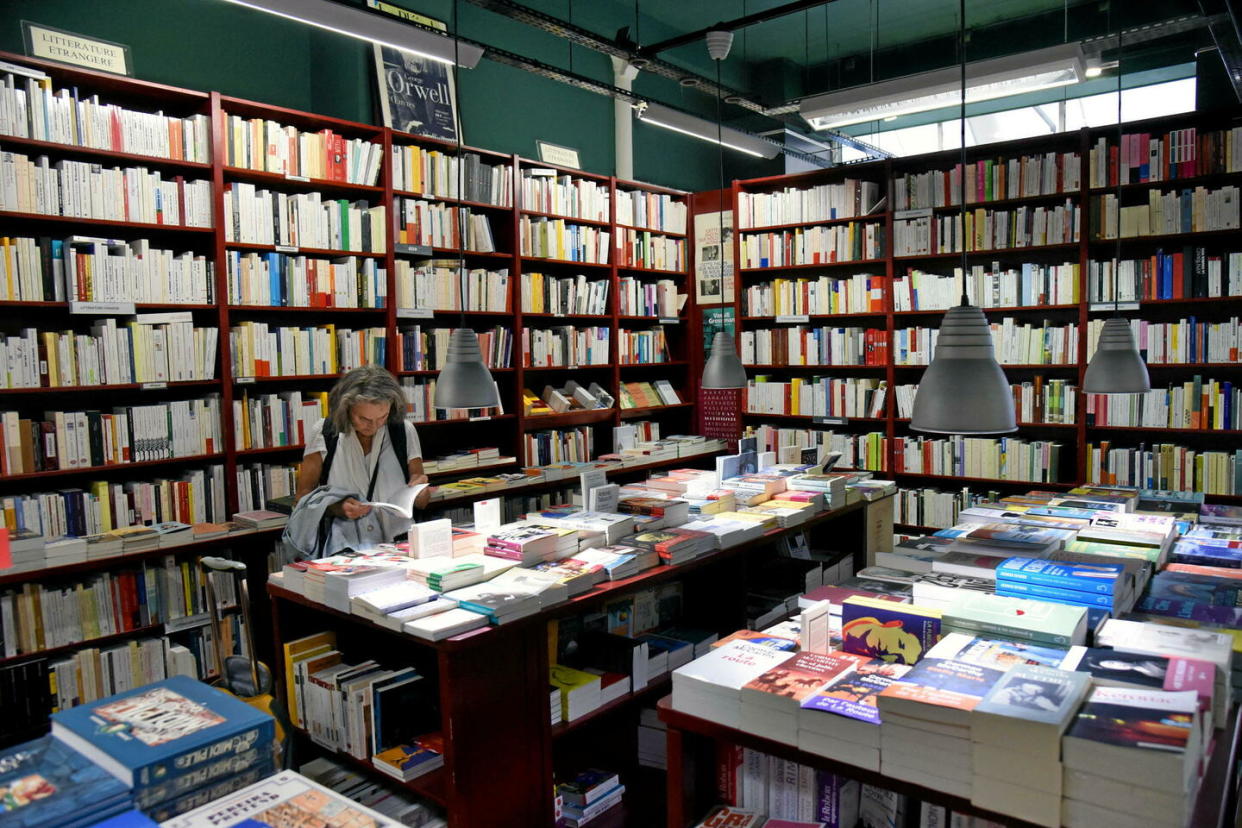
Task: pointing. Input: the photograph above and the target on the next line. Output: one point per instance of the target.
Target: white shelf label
(799, 319)
(189, 622)
(668, 320)
(412, 249)
(286, 248)
(909, 214)
(154, 386)
(88, 308)
(292, 177)
(163, 318)
(571, 367)
(415, 313)
(244, 380)
(479, 419)
(830, 420)
(1107, 306)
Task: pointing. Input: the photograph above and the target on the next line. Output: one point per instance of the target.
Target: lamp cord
(463, 226)
(961, 183)
(720, 201)
(1117, 254)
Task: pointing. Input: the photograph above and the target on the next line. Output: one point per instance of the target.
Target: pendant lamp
(964, 390)
(464, 382)
(723, 369)
(1116, 367)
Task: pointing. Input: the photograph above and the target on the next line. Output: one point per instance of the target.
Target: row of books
(82, 190)
(854, 451)
(352, 787)
(464, 459)
(1008, 229)
(639, 297)
(545, 238)
(441, 284)
(1005, 458)
(543, 293)
(989, 287)
(570, 397)
(816, 396)
(565, 346)
(195, 496)
(1165, 466)
(439, 174)
(258, 349)
(259, 483)
(420, 395)
(852, 242)
(933, 507)
(280, 419)
(642, 347)
(31, 107)
(261, 216)
(799, 345)
(648, 395)
(89, 269)
(990, 180)
(821, 202)
(1179, 153)
(1187, 340)
(145, 349)
(1196, 403)
(564, 195)
(912, 233)
(426, 349)
(543, 448)
(654, 211)
(1193, 272)
(1188, 211)
(860, 293)
(126, 434)
(433, 224)
(1035, 401)
(281, 280)
(644, 249)
(267, 146)
(1013, 343)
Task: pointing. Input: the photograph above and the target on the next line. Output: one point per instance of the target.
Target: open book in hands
(401, 502)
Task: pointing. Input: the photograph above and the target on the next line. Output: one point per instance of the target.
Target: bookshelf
(1059, 286)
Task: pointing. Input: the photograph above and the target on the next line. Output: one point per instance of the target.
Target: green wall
(215, 45)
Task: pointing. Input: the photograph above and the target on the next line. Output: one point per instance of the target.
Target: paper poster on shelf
(416, 94)
(714, 285)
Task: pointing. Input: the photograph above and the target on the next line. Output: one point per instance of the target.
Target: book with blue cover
(1097, 578)
(853, 693)
(163, 730)
(47, 783)
(1040, 592)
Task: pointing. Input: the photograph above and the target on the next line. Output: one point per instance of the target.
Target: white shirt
(351, 469)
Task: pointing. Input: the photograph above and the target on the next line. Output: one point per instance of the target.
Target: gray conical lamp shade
(1116, 367)
(964, 390)
(723, 368)
(465, 382)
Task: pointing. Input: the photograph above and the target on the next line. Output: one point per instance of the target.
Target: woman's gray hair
(370, 384)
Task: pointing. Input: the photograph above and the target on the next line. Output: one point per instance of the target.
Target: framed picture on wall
(416, 95)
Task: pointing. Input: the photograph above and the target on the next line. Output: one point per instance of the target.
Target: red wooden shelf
(301, 251)
(779, 367)
(1213, 365)
(133, 386)
(951, 209)
(769, 228)
(1011, 309)
(433, 785)
(594, 316)
(198, 458)
(550, 260)
(780, 268)
(431, 372)
(672, 363)
(153, 629)
(650, 230)
(573, 219)
(584, 367)
(1172, 183)
(1157, 303)
(1159, 430)
(301, 309)
(652, 319)
(288, 378)
(1034, 248)
(104, 154)
(1164, 238)
(440, 252)
(657, 270)
(1014, 365)
(458, 420)
(814, 316)
(804, 417)
(448, 200)
(270, 449)
(627, 413)
(593, 415)
(304, 183)
(904, 420)
(93, 222)
(296, 117)
(1034, 484)
(656, 688)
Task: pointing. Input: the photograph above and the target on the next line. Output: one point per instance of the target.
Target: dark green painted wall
(215, 45)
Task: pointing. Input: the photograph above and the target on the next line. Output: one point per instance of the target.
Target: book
(1018, 619)
(285, 799)
(261, 518)
(1031, 705)
(1096, 578)
(939, 689)
(892, 632)
(852, 694)
(399, 503)
(46, 783)
(163, 730)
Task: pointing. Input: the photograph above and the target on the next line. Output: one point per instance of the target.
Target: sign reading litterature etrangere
(68, 47)
(416, 94)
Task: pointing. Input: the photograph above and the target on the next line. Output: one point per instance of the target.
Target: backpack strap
(396, 439)
(330, 438)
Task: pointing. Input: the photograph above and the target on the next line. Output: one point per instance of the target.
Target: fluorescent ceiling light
(373, 27)
(985, 80)
(663, 116)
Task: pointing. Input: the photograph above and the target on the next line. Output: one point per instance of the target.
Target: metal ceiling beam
(1227, 35)
(731, 25)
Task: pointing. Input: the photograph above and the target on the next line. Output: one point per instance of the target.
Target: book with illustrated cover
(1220, 514)
(886, 630)
(853, 692)
(999, 654)
(1132, 718)
(1031, 693)
(286, 800)
(47, 783)
(763, 639)
(796, 678)
(939, 682)
(163, 730)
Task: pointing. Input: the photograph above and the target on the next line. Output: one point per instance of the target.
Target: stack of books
(770, 702)
(581, 692)
(620, 562)
(442, 625)
(1006, 539)
(672, 546)
(726, 533)
(530, 543)
(1020, 620)
(588, 795)
(393, 605)
(710, 687)
(288, 798)
(1085, 585)
(54, 786)
(841, 720)
(444, 574)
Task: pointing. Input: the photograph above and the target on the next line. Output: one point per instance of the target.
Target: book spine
(1063, 596)
(1077, 583)
(1006, 631)
(255, 739)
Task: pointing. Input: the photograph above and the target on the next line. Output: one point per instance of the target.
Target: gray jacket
(316, 534)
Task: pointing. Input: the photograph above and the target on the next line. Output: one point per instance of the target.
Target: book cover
(47, 783)
(944, 683)
(281, 801)
(1097, 578)
(1149, 719)
(999, 654)
(161, 730)
(853, 693)
(1039, 621)
(1221, 514)
(892, 632)
(728, 816)
(1036, 693)
(800, 675)
(763, 639)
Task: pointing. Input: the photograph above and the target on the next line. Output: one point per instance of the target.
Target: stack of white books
(727, 533)
(593, 528)
(710, 687)
(770, 703)
(377, 605)
(1015, 735)
(443, 625)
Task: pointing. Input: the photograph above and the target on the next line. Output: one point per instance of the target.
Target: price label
(479, 419)
(187, 622)
(1107, 306)
(292, 177)
(100, 308)
(829, 420)
(286, 248)
(415, 313)
(571, 367)
(668, 320)
(244, 380)
(800, 319)
(412, 249)
(154, 386)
